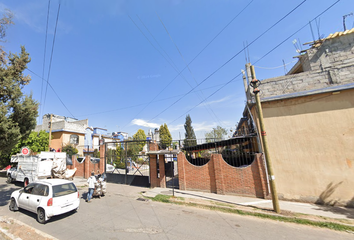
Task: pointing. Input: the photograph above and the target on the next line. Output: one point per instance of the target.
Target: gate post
(162, 171)
(102, 158)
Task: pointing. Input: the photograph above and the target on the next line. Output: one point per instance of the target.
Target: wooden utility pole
(50, 131)
(273, 189)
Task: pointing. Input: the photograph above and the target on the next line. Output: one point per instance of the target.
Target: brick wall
(85, 168)
(157, 180)
(218, 177)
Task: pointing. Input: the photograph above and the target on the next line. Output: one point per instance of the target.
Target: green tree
(18, 112)
(141, 137)
(36, 141)
(165, 136)
(119, 159)
(96, 153)
(216, 134)
(190, 138)
(70, 150)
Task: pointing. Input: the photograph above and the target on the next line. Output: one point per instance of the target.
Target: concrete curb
(11, 236)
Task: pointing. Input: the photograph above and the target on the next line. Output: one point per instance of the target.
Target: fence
(237, 151)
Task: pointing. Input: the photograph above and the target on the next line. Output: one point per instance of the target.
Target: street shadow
(5, 195)
(52, 219)
(327, 205)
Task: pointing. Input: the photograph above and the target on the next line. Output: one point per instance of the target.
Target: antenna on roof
(318, 28)
(297, 46)
(285, 70)
(313, 37)
(344, 17)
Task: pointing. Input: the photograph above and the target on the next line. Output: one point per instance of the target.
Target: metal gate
(171, 171)
(128, 163)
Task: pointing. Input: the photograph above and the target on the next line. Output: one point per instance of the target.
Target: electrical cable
(51, 56)
(208, 107)
(53, 91)
(259, 59)
(199, 51)
(45, 49)
(231, 58)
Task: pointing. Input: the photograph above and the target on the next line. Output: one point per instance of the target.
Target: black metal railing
(237, 151)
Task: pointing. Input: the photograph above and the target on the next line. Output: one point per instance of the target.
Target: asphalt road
(119, 215)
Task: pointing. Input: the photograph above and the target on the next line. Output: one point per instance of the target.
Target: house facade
(309, 122)
(65, 130)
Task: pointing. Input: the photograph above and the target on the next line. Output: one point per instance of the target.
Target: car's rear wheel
(9, 179)
(41, 215)
(13, 205)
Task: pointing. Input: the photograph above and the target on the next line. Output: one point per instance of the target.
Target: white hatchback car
(47, 198)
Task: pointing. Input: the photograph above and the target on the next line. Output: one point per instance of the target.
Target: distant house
(92, 139)
(309, 121)
(65, 130)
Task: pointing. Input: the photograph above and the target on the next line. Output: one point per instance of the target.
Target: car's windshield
(64, 189)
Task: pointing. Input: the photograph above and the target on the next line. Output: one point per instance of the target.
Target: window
(74, 139)
(64, 189)
(41, 190)
(29, 188)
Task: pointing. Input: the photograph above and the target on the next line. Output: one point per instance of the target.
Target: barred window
(74, 139)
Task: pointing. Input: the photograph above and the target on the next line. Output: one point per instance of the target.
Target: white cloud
(143, 123)
(214, 102)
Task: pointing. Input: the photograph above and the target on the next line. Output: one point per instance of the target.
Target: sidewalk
(296, 207)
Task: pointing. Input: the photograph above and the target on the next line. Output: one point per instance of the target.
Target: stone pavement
(296, 207)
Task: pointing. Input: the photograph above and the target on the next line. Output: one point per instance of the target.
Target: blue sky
(119, 63)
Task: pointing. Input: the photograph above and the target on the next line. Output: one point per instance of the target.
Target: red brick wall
(156, 181)
(85, 168)
(219, 177)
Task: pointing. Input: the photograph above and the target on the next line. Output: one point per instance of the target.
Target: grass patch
(297, 220)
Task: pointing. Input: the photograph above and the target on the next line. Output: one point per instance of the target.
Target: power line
(208, 107)
(231, 58)
(53, 91)
(45, 49)
(51, 56)
(297, 31)
(224, 85)
(198, 53)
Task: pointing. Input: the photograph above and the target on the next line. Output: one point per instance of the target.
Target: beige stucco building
(309, 121)
(65, 131)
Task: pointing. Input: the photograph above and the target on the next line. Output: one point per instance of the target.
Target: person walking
(91, 182)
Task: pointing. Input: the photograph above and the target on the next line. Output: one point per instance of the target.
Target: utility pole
(255, 83)
(50, 131)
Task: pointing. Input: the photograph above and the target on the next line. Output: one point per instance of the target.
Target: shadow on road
(6, 191)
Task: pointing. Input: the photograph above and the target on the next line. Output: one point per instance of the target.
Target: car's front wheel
(13, 205)
(41, 216)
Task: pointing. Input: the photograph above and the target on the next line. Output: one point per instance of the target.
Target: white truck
(30, 168)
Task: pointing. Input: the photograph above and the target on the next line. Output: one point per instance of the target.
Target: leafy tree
(18, 112)
(165, 136)
(96, 153)
(70, 150)
(216, 134)
(36, 141)
(119, 159)
(140, 136)
(190, 138)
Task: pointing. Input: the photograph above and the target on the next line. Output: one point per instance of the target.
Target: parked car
(109, 168)
(47, 198)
